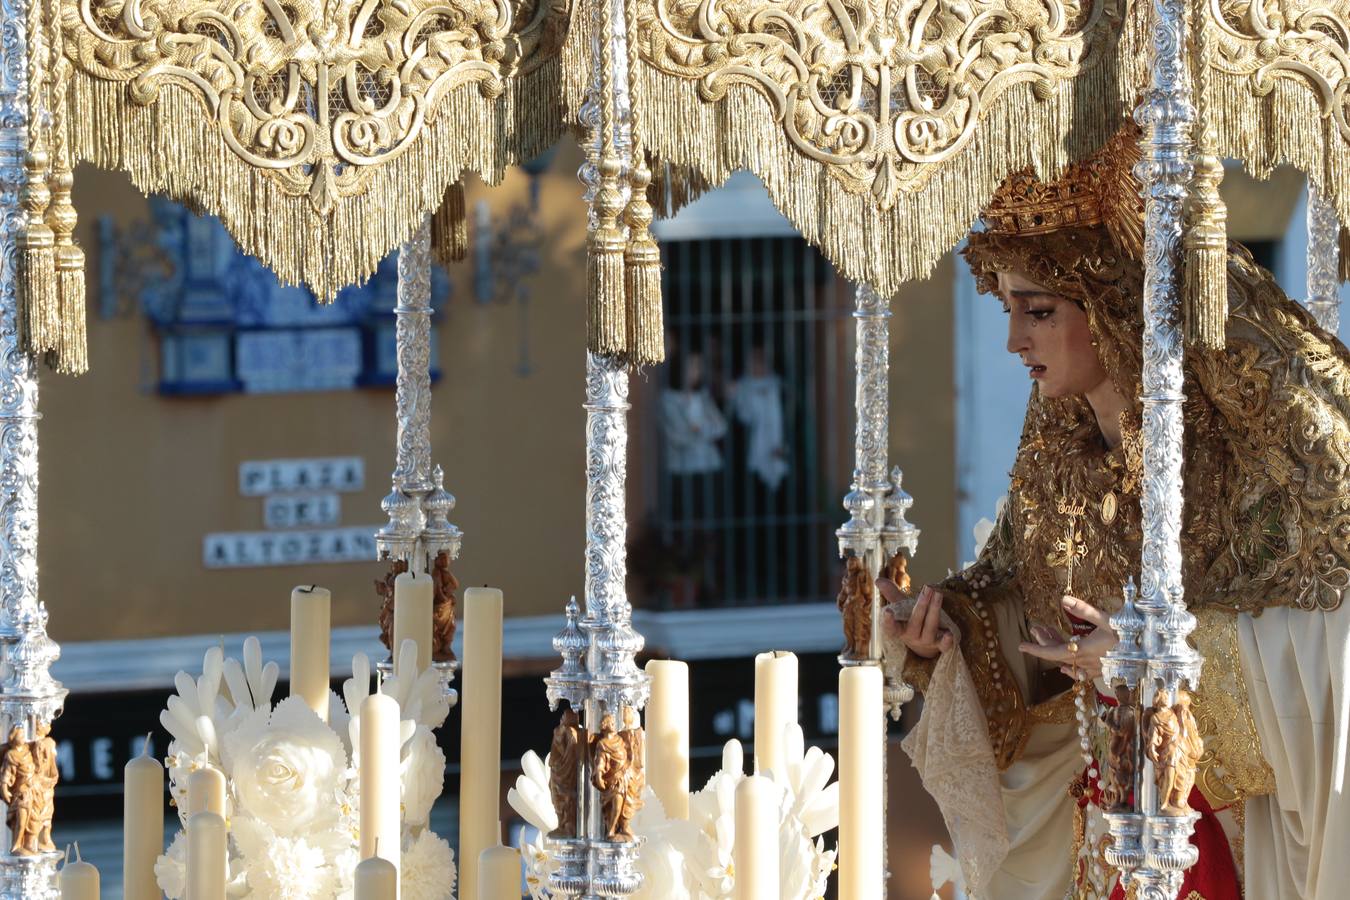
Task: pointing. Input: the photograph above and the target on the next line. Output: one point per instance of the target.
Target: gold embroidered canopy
(322, 134)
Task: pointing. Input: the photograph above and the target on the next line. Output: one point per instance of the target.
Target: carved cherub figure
(18, 789)
(637, 756)
(1122, 723)
(47, 774)
(897, 571)
(563, 761)
(855, 606)
(610, 770)
(384, 588)
(443, 585)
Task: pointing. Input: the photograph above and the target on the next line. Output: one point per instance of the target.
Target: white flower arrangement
(292, 788)
(692, 860)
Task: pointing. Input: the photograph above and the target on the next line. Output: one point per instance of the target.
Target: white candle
(775, 707)
(755, 853)
(480, 742)
(311, 619)
(142, 825)
(668, 736)
(412, 616)
(206, 792)
(499, 874)
(79, 879)
(861, 820)
(376, 879)
(206, 865)
(379, 778)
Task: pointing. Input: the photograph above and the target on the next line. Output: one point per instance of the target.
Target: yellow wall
(131, 481)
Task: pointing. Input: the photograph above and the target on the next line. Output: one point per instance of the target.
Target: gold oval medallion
(1109, 508)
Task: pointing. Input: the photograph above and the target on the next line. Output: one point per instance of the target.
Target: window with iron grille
(751, 425)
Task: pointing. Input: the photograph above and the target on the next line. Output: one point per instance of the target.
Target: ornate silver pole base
(599, 677)
(1323, 259)
(419, 506)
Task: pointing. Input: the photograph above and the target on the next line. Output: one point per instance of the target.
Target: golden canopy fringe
(450, 227)
(642, 258)
(867, 242)
(172, 146)
(1204, 296)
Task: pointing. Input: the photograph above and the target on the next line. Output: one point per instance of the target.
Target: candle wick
(145, 751)
(67, 859)
(78, 858)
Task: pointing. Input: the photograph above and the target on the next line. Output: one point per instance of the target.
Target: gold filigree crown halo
(1099, 190)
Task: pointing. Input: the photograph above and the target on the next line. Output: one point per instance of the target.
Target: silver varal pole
(1150, 848)
(418, 506)
(876, 504)
(599, 675)
(29, 697)
(1323, 261)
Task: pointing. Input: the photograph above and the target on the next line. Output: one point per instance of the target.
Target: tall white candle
(480, 743)
(668, 736)
(142, 825)
(376, 879)
(311, 621)
(861, 820)
(79, 879)
(755, 853)
(379, 778)
(775, 707)
(499, 874)
(412, 616)
(206, 792)
(206, 865)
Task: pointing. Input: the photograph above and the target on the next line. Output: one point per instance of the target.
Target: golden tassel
(38, 297)
(450, 227)
(1343, 255)
(608, 329)
(642, 274)
(1205, 244)
(1204, 298)
(70, 353)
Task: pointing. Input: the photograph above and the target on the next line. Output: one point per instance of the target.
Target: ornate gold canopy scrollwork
(320, 133)
(1281, 88)
(881, 126)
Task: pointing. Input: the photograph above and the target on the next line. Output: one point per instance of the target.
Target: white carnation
(427, 869)
(291, 868)
(171, 869)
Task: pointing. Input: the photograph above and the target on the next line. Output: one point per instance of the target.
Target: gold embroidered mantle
(320, 133)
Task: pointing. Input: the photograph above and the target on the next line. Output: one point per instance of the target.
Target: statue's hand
(1077, 657)
(922, 634)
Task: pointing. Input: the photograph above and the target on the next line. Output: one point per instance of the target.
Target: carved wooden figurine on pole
(1175, 747)
(564, 760)
(855, 605)
(1122, 722)
(28, 776)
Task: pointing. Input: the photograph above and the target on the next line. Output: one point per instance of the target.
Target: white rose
(423, 776)
(286, 768)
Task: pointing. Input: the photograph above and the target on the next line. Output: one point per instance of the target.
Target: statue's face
(1050, 334)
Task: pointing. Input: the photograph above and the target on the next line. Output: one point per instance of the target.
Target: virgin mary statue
(1007, 649)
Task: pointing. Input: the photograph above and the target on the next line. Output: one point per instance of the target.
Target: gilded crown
(1099, 190)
